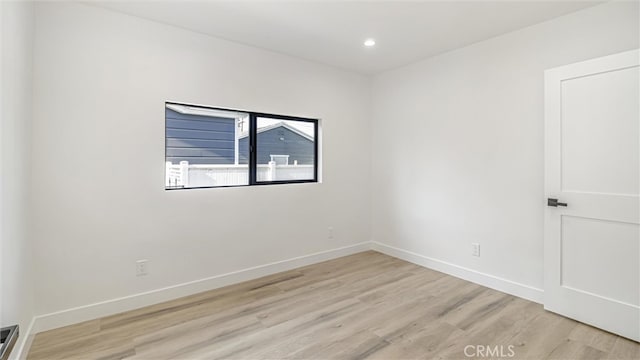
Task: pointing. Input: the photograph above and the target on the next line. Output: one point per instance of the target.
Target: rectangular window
(211, 147)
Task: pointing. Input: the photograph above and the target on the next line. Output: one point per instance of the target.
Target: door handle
(555, 203)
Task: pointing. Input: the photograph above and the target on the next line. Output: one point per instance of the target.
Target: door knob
(555, 203)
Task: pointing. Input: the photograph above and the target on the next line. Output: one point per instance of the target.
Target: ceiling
(333, 32)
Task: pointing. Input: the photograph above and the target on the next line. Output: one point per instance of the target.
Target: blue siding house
(280, 139)
(199, 139)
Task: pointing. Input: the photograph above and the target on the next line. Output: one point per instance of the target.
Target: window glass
(204, 147)
(285, 150)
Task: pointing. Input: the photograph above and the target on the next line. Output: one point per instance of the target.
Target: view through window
(211, 147)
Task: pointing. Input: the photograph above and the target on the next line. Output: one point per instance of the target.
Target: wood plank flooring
(364, 306)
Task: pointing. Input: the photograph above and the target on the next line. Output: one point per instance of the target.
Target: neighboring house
(279, 140)
(204, 136)
(199, 139)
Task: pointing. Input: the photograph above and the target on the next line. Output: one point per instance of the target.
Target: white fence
(185, 175)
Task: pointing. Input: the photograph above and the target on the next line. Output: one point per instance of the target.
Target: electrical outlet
(330, 232)
(475, 249)
(142, 267)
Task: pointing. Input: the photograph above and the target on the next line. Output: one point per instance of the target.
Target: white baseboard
(110, 307)
(25, 339)
(507, 286)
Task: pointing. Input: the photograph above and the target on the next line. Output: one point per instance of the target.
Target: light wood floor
(366, 305)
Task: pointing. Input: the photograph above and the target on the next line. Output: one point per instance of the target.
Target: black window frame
(253, 132)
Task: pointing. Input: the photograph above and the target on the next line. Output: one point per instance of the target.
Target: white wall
(16, 291)
(458, 143)
(101, 80)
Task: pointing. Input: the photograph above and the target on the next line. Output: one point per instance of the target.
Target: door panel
(592, 163)
(600, 124)
(594, 252)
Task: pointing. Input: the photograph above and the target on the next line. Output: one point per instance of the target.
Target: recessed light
(369, 42)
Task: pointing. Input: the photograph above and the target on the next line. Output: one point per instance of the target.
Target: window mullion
(253, 168)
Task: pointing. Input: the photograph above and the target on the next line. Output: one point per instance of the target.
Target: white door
(592, 164)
